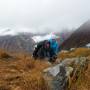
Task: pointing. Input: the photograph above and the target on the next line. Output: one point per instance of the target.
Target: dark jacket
(41, 49)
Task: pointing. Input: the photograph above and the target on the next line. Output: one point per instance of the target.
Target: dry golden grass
(83, 82)
(4, 54)
(76, 53)
(22, 73)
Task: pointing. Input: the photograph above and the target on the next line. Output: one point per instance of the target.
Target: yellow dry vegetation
(75, 53)
(83, 82)
(4, 54)
(22, 72)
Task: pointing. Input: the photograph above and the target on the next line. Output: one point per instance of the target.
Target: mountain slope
(15, 41)
(79, 38)
(18, 43)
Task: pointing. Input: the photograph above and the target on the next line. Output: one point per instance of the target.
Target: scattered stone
(53, 70)
(72, 49)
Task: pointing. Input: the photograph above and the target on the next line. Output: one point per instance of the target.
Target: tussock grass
(22, 73)
(83, 81)
(4, 54)
(25, 73)
(76, 53)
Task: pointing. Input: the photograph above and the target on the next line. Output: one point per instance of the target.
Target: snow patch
(45, 37)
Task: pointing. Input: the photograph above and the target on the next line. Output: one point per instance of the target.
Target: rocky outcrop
(61, 76)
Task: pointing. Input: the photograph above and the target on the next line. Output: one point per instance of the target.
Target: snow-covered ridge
(39, 38)
(12, 32)
(4, 32)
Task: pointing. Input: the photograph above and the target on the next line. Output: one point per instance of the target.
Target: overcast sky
(41, 15)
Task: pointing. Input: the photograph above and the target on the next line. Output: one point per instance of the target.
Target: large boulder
(60, 76)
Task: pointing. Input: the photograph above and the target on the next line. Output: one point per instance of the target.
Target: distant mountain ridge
(19, 43)
(79, 38)
(22, 41)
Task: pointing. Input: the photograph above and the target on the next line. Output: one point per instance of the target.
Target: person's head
(53, 39)
(47, 44)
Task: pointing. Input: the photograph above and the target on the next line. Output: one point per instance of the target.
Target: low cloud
(43, 15)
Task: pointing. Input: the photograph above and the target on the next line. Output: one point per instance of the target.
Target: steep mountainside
(79, 38)
(17, 43)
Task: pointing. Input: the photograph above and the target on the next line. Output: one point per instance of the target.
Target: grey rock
(61, 73)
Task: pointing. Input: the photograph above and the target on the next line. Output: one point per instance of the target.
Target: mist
(43, 15)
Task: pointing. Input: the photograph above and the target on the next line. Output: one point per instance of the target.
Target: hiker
(53, 49)
(47, 47)
(42, 49)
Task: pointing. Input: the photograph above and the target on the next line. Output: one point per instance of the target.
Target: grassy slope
(83, 82)
(21, 72)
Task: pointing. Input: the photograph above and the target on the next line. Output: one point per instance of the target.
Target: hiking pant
(52, 55)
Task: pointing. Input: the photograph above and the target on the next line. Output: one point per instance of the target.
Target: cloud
(41, 15)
